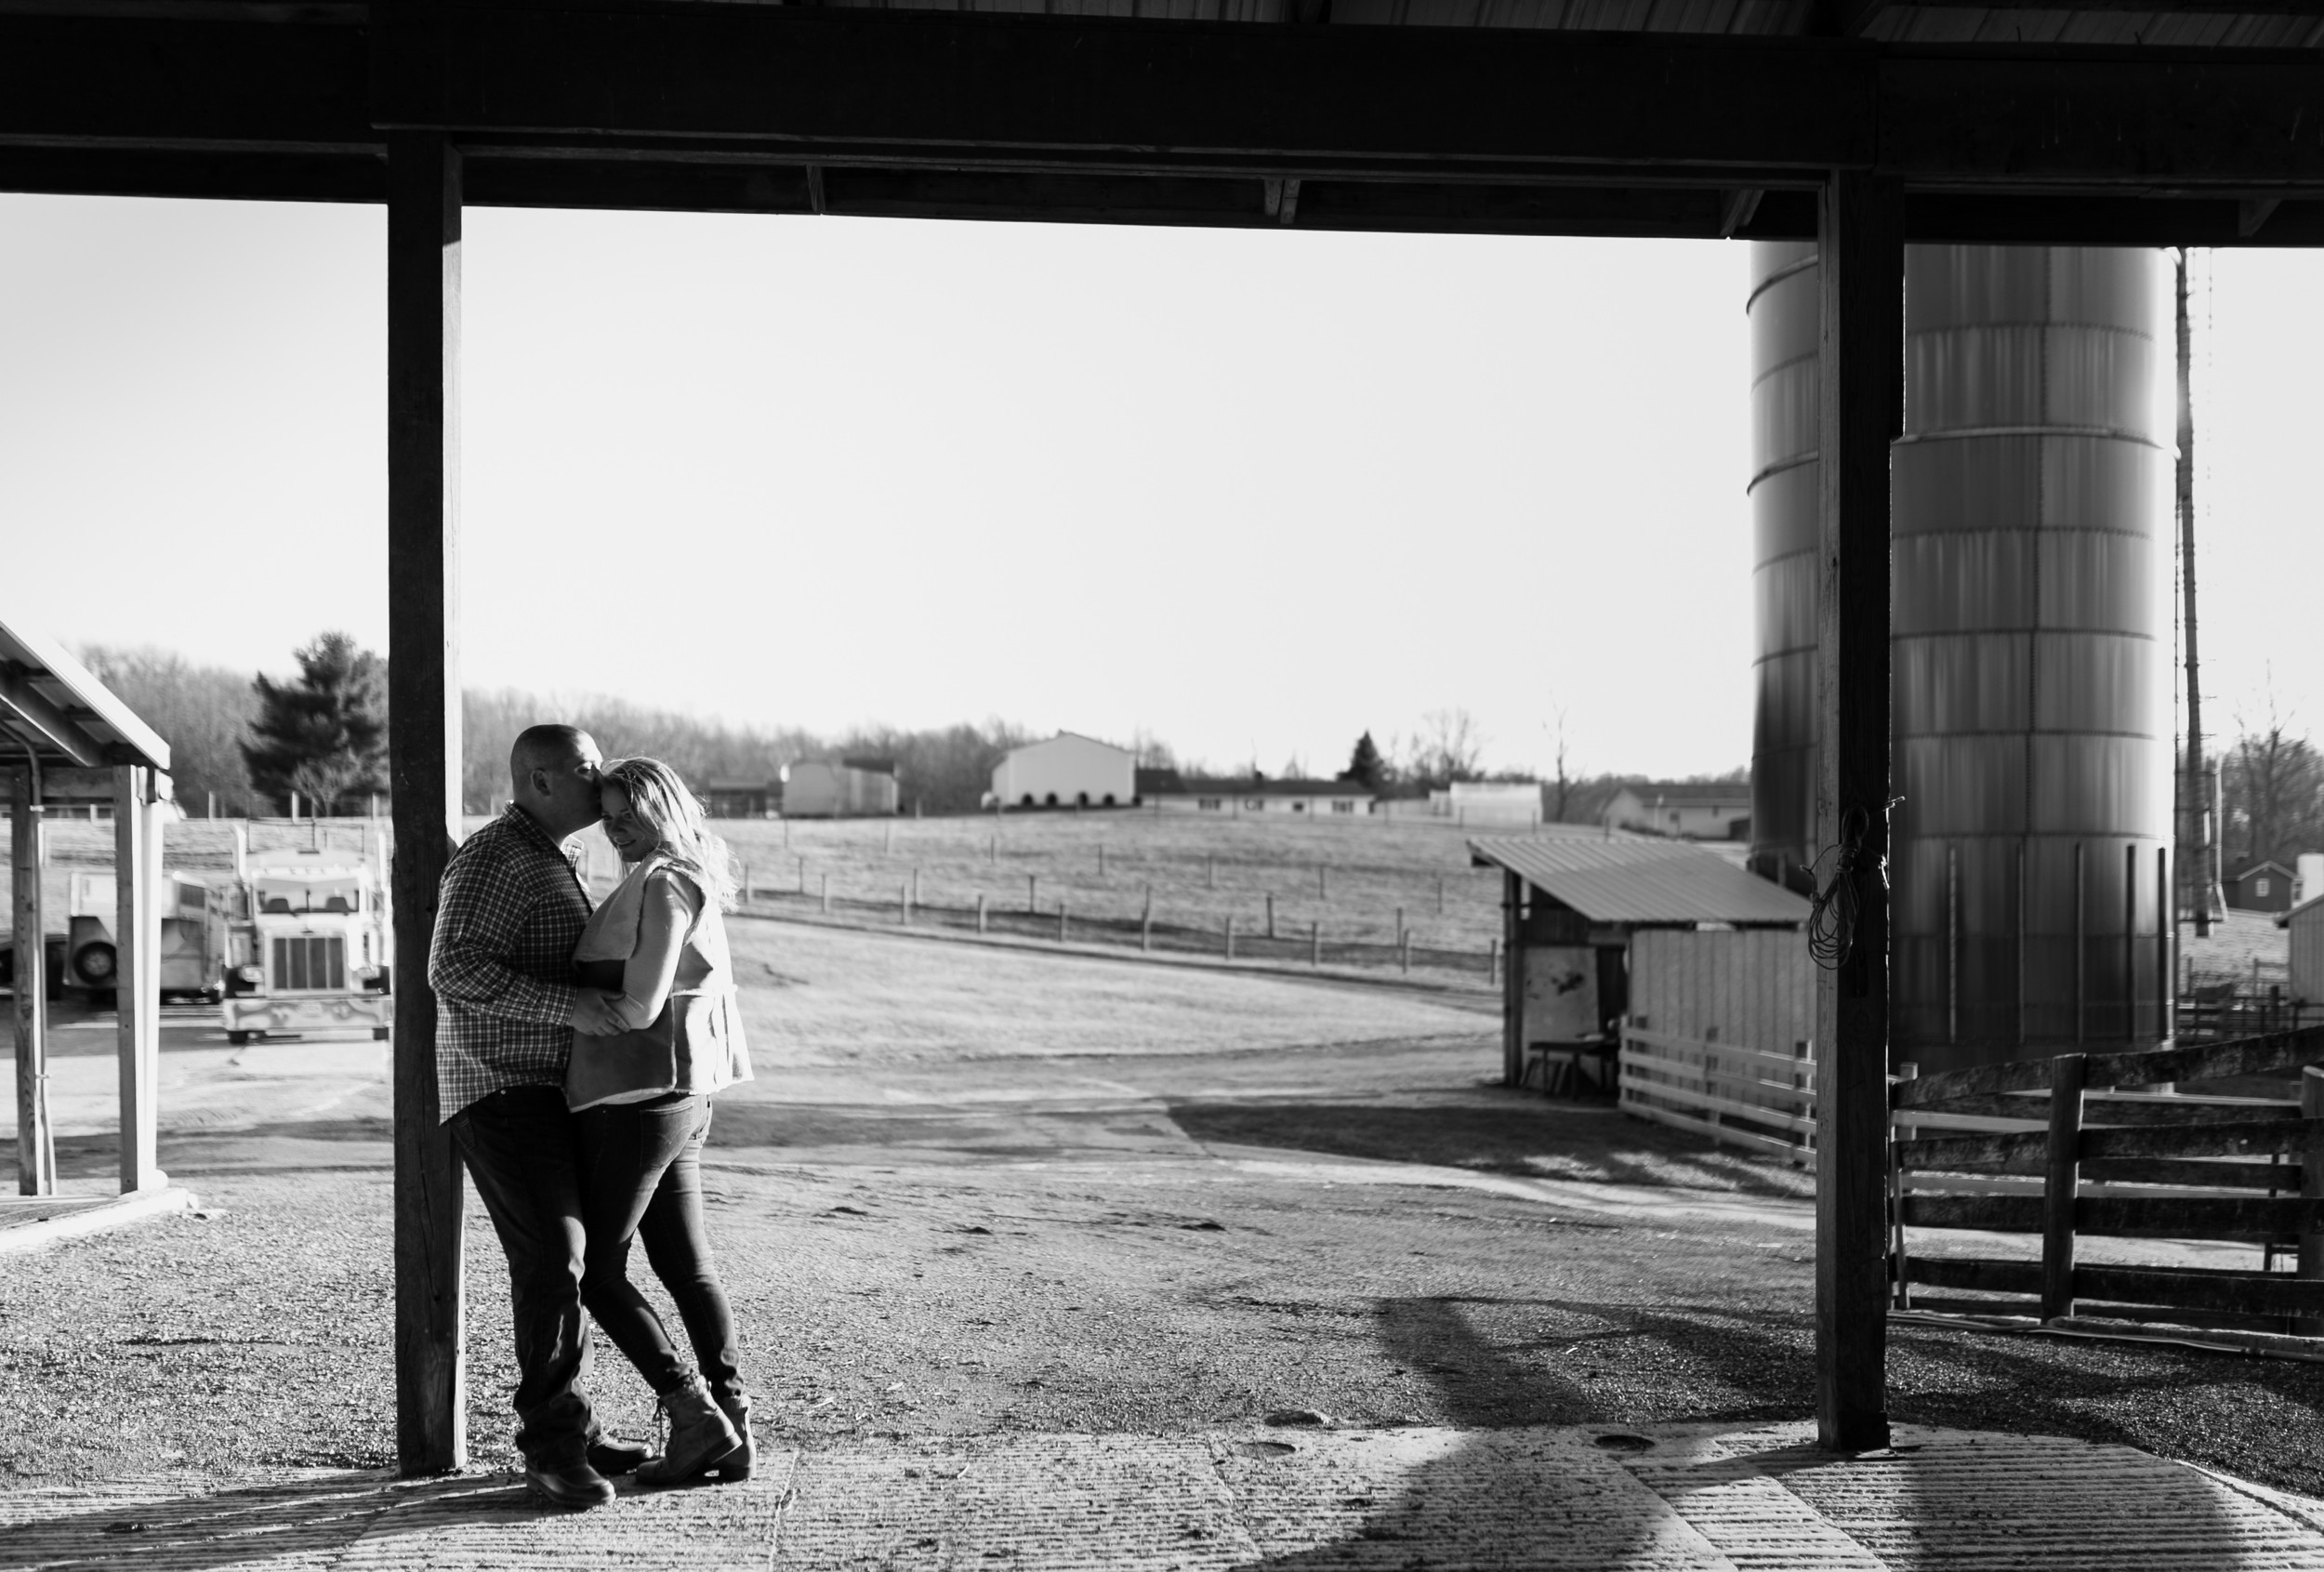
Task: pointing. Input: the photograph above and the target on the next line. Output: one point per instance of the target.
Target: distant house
(1487, 802)
(1234, 796)
(1691, 809)
(2261, 887)
(1068, 770)
(741, 800)
(839, 788)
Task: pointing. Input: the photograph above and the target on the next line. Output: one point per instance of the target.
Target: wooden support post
(1512, 983)
(35, 1142)
(1861, 258)
(2166, 934)
(136, 972)
(423, 769)
(2129, 946)
(2061, 1185)
(2312, 1186)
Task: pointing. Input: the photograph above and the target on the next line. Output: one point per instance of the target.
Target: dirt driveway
(982, 1190)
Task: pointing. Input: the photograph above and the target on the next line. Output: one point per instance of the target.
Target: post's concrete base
(33, 1223)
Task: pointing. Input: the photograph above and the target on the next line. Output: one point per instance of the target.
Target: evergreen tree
(325, 735)
(1365, 767)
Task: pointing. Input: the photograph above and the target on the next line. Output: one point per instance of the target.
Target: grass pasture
(1346, 880)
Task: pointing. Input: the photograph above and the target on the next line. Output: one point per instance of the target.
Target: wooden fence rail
(2156, 1165)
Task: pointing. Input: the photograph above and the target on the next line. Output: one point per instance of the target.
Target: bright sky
(1252, 491)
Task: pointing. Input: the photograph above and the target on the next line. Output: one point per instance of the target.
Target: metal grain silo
(2031, 631)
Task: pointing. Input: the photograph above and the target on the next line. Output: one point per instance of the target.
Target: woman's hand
(594, 1014)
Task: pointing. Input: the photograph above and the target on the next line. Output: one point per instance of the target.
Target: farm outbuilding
(2261, 887)
(1695, 810)
(1233, 797)
(844, 789)
(742, 800)
(1575, 919)
(2305, 926)
(1068, 770)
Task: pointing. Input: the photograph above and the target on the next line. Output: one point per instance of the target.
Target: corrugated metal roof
(51, 704)
(1642, 881)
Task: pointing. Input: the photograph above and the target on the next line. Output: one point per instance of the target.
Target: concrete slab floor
(1703, 1498)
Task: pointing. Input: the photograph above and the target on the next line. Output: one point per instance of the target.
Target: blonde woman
(641, 1110)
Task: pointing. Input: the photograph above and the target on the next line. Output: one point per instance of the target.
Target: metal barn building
(1068, 770)
(839, 789)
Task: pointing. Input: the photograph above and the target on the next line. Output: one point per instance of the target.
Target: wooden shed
(66, 741)
(1576, 915)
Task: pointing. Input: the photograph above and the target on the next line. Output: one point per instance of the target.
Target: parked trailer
(84, 958)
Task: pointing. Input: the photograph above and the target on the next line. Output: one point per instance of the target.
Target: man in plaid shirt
(509, 913)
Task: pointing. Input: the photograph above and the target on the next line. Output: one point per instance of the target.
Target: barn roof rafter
(719, 106)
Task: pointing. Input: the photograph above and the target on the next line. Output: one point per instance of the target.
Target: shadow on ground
(1529, 1136)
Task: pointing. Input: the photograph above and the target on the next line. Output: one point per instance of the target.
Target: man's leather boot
(700, 1437)
(573, 1486)
(610, 1455)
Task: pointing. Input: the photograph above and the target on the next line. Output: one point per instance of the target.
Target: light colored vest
(701, 1020)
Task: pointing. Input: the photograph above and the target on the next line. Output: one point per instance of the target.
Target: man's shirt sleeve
(480, 912)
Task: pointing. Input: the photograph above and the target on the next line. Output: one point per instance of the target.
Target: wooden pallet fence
(1744, 1096)
(2162, 1165)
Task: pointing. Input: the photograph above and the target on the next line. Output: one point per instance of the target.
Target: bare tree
(2274, 789)
(1562, 796)
(1450, 746)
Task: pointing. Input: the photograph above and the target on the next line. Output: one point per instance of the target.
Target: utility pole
(2195, 781)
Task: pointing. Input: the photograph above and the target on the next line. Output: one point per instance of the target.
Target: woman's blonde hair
(661, 800)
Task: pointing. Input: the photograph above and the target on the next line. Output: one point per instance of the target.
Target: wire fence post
(1314, 944)
(980, 911)
(1146, 923)
(904, 902)
(1404, 951)
(1033, 894)
(745, 885)
(1230, 935)
(802, 876)
(1270, 914)
(916, 884)
(1440, 894)
(826, 894)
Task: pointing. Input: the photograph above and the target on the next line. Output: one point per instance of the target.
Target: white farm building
(1068, 770)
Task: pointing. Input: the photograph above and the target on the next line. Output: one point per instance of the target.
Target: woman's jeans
(641, 1176)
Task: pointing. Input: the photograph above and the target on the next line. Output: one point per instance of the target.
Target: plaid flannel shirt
(508, 914)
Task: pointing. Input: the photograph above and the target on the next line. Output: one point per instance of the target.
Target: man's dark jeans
(519, 1144)
(642, 1175)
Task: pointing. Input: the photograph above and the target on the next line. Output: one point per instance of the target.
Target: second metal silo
(2030, 639)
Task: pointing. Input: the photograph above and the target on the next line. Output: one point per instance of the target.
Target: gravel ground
(983, 1294)
(927, 1235)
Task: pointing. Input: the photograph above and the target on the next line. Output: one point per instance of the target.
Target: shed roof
(53, 706)
(1642, 881)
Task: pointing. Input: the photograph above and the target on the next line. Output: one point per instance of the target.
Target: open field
(1345, 881)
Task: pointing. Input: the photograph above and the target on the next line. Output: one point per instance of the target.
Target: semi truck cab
(308, 946)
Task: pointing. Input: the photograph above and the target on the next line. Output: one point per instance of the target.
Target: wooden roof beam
(26, 711)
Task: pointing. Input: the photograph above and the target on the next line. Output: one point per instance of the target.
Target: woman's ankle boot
(738, 1467)
(700, 1437)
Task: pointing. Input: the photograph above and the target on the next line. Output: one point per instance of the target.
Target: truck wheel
(238, 1039)
(378, 1034)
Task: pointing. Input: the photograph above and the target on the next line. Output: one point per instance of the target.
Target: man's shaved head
(543, 748)
(552, 773)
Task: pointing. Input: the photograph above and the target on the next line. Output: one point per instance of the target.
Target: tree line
(242, 747)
